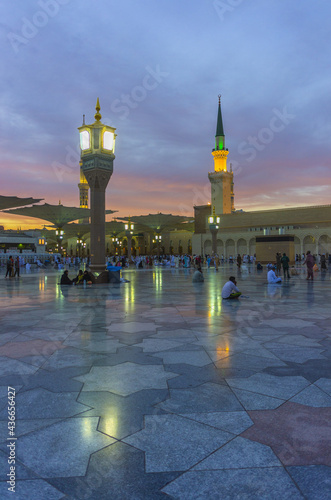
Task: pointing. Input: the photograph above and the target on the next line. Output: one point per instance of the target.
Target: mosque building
(221, 229)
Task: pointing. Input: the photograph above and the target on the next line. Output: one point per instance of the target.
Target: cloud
(260, 57)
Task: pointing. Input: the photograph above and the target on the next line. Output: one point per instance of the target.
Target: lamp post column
(98, 182)
(97, 156)
(213, 240)
(158, 238)
(213, 222)
(129, 227)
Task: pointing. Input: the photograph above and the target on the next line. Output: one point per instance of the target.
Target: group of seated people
(79, 280)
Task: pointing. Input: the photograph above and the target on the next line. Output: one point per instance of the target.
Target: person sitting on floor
(79, 278)
(230, 290)
(88, 278)
(259, 266)
(65, 280)
(198, 276)
(272, 278)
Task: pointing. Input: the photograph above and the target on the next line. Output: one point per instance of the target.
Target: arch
(297, 245)
(309, 243)
(230, 248)
(207, 247)
(324, 244)
(220, 247)
(242, 246)
(252, 246)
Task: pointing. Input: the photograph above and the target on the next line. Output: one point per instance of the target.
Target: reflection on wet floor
(156, 387)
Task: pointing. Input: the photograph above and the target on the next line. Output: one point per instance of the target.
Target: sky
(158, 68)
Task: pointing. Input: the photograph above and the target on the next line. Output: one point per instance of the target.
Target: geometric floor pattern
(157, 388)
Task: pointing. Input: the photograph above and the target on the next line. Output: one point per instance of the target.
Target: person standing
(17, 267)
(309, 261)
(278, 262)
(239, 261)
(323, 262)
(285, 263)
(9, 267)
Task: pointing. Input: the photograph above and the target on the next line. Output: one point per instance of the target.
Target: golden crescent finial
(219, 98)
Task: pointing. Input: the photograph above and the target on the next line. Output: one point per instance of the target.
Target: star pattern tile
(46, 451)
(299, 435)
(126, 378)
(174, 443)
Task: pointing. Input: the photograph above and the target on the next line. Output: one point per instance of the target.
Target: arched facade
(317, 242)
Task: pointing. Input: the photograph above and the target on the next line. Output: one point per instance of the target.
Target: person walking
(285, 263)
(309, 262)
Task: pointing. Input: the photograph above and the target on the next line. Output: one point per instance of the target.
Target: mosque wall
(230, 243)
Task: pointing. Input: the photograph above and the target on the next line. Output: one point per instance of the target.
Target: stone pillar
(98, 180)
(129, 238)
(213, 240)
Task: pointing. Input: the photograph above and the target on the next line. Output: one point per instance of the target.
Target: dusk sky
(157, 67)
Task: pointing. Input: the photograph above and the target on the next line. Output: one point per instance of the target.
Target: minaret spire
(221, 180)
(219, 137)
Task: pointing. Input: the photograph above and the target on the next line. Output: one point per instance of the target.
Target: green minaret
(219, 137)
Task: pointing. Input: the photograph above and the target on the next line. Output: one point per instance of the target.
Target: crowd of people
(282, 263)
(280, 266)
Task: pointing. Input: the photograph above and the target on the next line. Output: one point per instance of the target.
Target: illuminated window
(108, 140)
(85, 139)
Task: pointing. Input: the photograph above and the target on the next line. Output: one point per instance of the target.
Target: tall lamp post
(59, 236)
(80, 243)
(214, 221)
(97, 143)
(158, 238)
(129, 227)
(115, 243)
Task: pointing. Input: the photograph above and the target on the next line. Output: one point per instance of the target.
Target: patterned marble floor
(157, 389)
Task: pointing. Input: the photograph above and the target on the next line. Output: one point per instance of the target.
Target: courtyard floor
(157, 388)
